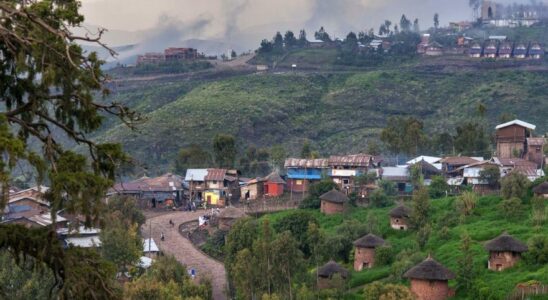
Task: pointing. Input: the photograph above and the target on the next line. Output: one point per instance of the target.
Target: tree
(224, 150)
(465, 271)
(436, 20)
(373, 148)
(514, 185)
(420, 210)
(438, 187)
(405, 24)
(297, 224)
(415, 176)
(322, 35)
(121, 245)
(306, 151)
(511, 208)
(49, 87)
(416, 26)
(289, 39)
(245, 274)
(471, 140)
(490, 175)
(389, 187)
(539, 213)
(538, 250)
(277, 157)
(266, 46)
(287, 262)
(125, 210)
(350, 44)
(315, 191)
(465, 203)
(379, 199)
(278, 42)
(302, 38)
(475, 5)
(403, 135)
(233, 54)
(193, 156)
(379, 290)
(423, 235)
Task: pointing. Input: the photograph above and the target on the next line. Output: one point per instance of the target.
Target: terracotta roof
(215, 175)
(331, 268)
(505, 242)
(458, 160)
(354, 160)
(429, 269)
(401, 211)
(231, 213)
(536, 141)
(274, 177)
(334, 196)
(541, 188)
(369, 241)
(305, 163)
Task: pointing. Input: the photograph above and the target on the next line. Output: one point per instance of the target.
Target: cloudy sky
(246, 21)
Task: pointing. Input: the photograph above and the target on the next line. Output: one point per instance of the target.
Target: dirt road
(175, 244)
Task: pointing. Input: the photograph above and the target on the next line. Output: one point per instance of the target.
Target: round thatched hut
(429, 280)
(364, 251)
(399, 217)
(333, 202)
(504, 252)
(541, 190)
(228, 216)
(326, 273)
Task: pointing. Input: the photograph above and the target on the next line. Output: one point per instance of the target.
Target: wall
(364, 255)
(330, 208)
(398, 223)
(298, 185)
(504, 260)
(430, 289)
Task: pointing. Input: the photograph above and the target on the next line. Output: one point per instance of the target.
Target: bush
(423, 235)
(466, 203)
(438, 187)
(379, 199)
(383, 256)
(378, 290)
(297, 223)
(539, 211)
(514, 185)
(511, 208)
(388, 187)
(538, 250)
(315, 191)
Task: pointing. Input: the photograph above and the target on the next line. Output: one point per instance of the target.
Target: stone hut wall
(398, 223)
(499, 261)
(364, 258)
(330, 208)
(430, 289)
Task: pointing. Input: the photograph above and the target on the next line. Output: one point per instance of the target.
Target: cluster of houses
(169, 55)
(493, 47)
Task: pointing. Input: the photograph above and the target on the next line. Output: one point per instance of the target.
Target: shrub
(466, 203)
(438, 187)
(388, 187)
(379, 199)
(539, 211)
(423, 235)
(491, 175)
(297, 223)
(378, 290)
(511, 208)
(315, 191)
(538, 250)
(383, 256)
(514, 185)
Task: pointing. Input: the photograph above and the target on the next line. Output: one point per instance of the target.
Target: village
(225, 195)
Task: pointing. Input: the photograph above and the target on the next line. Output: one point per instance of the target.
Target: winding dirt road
(183, 250)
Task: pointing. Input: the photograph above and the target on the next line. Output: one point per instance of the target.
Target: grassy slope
(486, 223)
(339, 112)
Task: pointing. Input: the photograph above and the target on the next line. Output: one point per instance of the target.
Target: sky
(243, 23)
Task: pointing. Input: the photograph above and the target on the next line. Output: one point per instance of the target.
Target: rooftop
(401, 211)
(517, 122)
(505, 242)
(429, 269)
(305, 163)
(369, 241)
(334, 196)
(331, 268)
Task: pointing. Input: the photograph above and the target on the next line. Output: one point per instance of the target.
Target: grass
(484, 224)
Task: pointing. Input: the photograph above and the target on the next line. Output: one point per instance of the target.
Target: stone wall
(330, 208)
(499, 261)
(398, 223)
(430, 289)
(364, 258)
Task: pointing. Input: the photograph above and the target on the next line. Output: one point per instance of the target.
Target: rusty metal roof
(458, 160)
(354, 160)
(306, 163)
(215, 175)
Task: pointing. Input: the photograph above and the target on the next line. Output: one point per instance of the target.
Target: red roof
(215, 175)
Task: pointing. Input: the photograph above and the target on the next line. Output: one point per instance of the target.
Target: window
(346, 181)
(299, 182)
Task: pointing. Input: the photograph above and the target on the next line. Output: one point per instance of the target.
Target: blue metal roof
(297, 173)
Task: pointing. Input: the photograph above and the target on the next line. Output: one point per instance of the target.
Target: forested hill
(339, 112)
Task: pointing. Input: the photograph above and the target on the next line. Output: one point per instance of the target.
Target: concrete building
(504, 252)
(429, 280)
(364, 251)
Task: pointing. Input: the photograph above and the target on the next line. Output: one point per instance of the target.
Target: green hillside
(486, 222)
(337, 111)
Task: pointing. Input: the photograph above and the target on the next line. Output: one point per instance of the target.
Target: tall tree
(416, 26)
(48, 86)
(287, 263)
(420, 210)
(306, 151)
(193, 156)
(436, 20)
(465, 270)
(302, 38)
(471, 140)
(224, 150)
(322, 35)
(403, 135)
(289, 39)
(405, 24)
(277, 157)
(278, 42)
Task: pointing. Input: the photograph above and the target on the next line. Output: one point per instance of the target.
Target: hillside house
(472, 173)
(195, 179)
(274, 185)
(434, 49)
(451, 165)
(490, 50)
(327, 272)
(520, 51)
(178, 54)
(398, 175)
(252, 189)
(229, 216)
(213, 186)
(399, 217)
(519, 165)
(504, 252)
(150, 58)
(536, 51)
(301, 173)
(364, 251)
(429, 280)
(344, 169)
(333, 202)
(162, 191)
(511, 138)
(427, 170)
(505, 50)
(535, 150)
(541, 190)
(27, 202)
(475, 51)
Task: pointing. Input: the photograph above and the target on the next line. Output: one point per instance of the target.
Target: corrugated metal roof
(195, 174)
(84, 242)
(536, 141)
(395, 173)
(354, 160)
(517, 122)
(215, 175)
(428, 159)
(167, 182)
(318, 163)
(458, 160)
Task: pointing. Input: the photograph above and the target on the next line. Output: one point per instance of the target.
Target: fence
(522, 292)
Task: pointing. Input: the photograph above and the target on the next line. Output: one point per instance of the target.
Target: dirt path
(184, 251)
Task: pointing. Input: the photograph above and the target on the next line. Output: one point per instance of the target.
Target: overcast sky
(231, 19)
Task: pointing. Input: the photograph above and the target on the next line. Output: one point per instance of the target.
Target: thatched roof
(401, 211)
(541, 188)
(274, 177)
(369, 241)
(429, 269)
(231, 213)
(505, 242)
(334, 196)
(331, 268)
